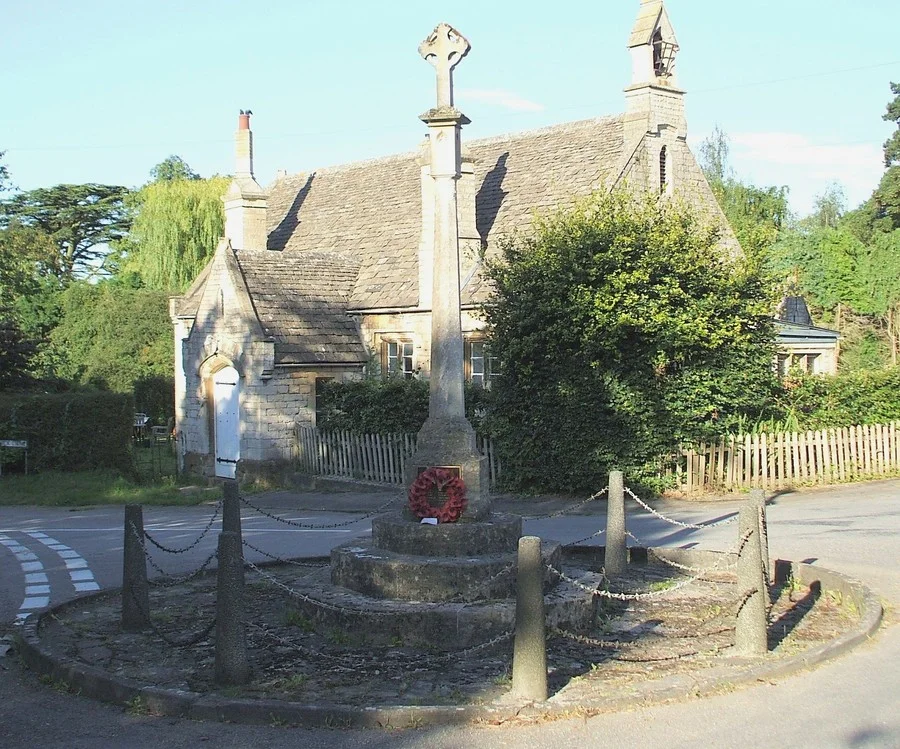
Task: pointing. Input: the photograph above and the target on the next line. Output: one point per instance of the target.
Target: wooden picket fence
(370, 457)
(786, 459)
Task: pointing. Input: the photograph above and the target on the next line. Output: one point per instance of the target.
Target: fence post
(750, 636)
(231, 665)
(135, 589)
(231, 507)
(529, 676)
(616, 558)
(758, 500)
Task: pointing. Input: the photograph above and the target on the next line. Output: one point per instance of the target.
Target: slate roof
(347, 238)
(793, 309)
(371, 211)
(301, 300)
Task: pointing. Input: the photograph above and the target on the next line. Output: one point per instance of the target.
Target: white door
(226, 390)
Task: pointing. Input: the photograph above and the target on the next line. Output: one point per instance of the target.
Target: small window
(481, 366)
(399, 358)
(663, 170)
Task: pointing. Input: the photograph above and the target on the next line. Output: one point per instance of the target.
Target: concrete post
(231, 507)
(616, 561)
(232, 665)
(750, 636)
(758, 499)
(135, 589)
(529, 677)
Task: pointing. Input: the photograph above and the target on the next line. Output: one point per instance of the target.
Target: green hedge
(866, 397)
(71, 431)
(394, 404)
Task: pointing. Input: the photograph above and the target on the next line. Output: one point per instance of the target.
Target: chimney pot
(244, 120)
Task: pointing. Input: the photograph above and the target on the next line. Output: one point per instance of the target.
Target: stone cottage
(328, 272)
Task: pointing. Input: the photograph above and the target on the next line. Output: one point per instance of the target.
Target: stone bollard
(750, 636)
(231, 507)
(135, 589)
(529, 677)
(616, 559)
(232, 665)
(758, 500)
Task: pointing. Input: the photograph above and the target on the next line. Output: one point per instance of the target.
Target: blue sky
(101, 91)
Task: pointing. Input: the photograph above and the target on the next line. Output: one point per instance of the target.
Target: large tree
(178, 219)
(881, 212)
(623, 330)
(80, 219)
(112, 334)
(756, 214)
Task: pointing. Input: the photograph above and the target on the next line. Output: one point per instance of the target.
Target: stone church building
(327, 274)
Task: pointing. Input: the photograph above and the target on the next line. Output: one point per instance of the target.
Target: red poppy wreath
(440, 481)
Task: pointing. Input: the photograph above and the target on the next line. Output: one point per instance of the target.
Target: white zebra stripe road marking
(79, 573)
(32, 568)
(38, 591)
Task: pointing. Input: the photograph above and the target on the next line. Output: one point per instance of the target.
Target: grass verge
(59, 489)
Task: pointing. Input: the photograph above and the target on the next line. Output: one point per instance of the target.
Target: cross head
(444, 48)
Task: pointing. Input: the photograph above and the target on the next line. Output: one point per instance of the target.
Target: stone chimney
(245, 201)
(653, 100)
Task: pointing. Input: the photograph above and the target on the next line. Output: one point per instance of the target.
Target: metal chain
(461, 598)
(166, 549)
(168, 580)
(190, 642)
(585, 640)
(699, 527)
(570, 508)
(669, 562)
(643, 596)
(611, 645)
(586, 538)
(277, 558)
(378, 660)
(309, 599)
(313, 526)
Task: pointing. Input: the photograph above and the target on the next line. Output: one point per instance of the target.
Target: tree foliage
(111, 334)
(80, 219)
(623, 332)
(172, 169)
(176, 227)
(756, 214)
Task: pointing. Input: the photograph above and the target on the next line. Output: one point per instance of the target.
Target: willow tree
(176, 227)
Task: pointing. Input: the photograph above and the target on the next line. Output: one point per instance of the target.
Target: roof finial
(444, 48)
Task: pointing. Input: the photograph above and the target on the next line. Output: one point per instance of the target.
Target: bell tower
(654, 102)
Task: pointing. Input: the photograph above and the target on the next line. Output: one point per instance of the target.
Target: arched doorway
(226, 398)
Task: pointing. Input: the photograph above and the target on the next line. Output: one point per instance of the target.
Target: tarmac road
(851, 702)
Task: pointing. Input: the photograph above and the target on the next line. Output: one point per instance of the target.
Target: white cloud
(505, 99)
(807, 165)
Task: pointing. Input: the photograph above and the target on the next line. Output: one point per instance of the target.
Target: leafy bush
(155, 396)
(375, 406)
(394, 404)
(865, 397)
(623, 331)
(71, 431)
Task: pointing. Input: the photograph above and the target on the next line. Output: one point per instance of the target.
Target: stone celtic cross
(444, 48)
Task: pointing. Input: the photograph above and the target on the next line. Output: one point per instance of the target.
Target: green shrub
(155, 396)
(71, 431)
(394, 404)
(623, 331)
(865, 397)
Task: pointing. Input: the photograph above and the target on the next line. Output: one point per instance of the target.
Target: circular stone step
(362, 567)
(397, 532)
(439, 626)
